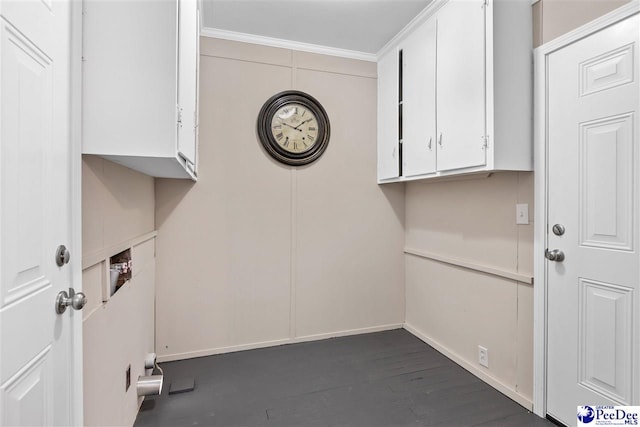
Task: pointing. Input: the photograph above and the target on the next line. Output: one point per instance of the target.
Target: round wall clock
(293, 127)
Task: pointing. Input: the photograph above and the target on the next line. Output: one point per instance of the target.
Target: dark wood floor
(381, 379)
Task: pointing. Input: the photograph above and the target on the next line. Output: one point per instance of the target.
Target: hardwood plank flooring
(381, 379)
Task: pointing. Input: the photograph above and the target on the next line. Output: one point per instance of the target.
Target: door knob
(554, 255)
(76, 300)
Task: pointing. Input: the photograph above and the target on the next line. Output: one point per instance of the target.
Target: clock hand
(296, 128)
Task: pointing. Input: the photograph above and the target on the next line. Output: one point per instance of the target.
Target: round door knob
(554, 255)
(77, 301)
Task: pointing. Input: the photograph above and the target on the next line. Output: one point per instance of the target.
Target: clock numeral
(295, 145)
(286, 142)
(312, 129)
(279, 136)
(303, 111)
(310, 137)
(277, 126)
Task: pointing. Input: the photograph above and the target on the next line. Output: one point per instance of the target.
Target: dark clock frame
(268, 141)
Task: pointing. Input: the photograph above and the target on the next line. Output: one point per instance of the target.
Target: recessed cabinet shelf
(464, 76)
(120, 266)
(140, 65)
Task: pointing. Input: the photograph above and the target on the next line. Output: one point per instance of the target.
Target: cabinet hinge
(179, 120)
(485, 141)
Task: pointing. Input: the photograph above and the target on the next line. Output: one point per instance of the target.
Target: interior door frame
(541, 69)
(76, 360)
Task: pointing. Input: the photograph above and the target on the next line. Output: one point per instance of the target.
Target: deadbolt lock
(62, 256)
(558, 229)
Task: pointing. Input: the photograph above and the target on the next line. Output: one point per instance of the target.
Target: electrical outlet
(483, 356)
(127, 378)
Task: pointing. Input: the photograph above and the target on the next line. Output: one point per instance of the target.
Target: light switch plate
(522, 213)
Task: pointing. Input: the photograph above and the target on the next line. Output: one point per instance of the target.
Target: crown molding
(420, 18)
(287, 44)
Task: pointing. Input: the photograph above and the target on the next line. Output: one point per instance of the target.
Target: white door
(593, 192)
(461, 84)
(419, 101)
(35, 214)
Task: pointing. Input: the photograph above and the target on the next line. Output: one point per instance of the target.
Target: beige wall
(456, 309)
(117, 207)
(258, 253)
(553, 18)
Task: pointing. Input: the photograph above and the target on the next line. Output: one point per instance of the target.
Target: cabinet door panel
(188, 33)
(129, 78)
(419, 101)
(388, 155)
(461, 85)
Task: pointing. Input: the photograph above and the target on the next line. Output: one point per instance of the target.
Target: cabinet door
(388, 147)
(129, 78)
(461, 85)
(188, 35)
(419, 101)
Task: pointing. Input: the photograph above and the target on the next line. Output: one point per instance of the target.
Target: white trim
(287, 44)
(540, 158)
(470, 265)
(273, 343)
(540, 236)
(76, 415)
(596, 25)
(420, 18)
(475, 370)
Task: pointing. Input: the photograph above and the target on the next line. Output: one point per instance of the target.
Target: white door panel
(35, 212)
(593, 181)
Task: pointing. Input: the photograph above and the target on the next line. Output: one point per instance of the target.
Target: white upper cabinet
(140, 62)
(465, 82)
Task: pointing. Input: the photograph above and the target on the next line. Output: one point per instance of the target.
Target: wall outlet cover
(483, 356)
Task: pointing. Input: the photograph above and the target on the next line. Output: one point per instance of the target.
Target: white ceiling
(355, 25)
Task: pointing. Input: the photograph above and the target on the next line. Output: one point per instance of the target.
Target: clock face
(293, 128)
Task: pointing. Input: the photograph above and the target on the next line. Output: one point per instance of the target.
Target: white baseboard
(348, 332)
(484, 376)
(273, 343)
